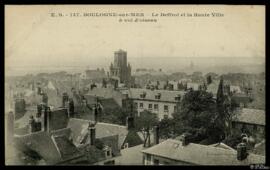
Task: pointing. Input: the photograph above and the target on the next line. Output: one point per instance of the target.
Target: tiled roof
(260, 148)
(166, 95)
(53, 148)
(101, 92)
(79, 130)
(66, 148)
(41, 143)
(201, 154)
(130, 156)
(252, 116)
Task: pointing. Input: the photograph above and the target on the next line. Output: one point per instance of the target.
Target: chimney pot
(156, 135)
(130, 122)
(185, 138)
(32, 124)
(242, 151)
(92, 134)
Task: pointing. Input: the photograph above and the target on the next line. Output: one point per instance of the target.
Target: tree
(225, 110)
(197, 115)
(209, 79)
(166, 128)
(144, 123)
(114, 115)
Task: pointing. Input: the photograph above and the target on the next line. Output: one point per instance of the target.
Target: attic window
(158, 96)
(143, 95)
(178, 98)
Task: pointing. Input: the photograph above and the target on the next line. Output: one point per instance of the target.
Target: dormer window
(178, 97)
(158, 96)
(143, 95)
(108, 151)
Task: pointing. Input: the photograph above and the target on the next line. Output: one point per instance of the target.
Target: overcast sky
(33, 38)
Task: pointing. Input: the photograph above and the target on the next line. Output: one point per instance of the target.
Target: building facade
(162, 102)
(175, 152)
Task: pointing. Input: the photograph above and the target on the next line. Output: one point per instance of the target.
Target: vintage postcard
(135, 85)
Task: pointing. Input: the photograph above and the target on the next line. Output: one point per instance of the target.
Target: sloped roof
(41, 143)
(101, 92)
(79, 128)
(260, 148)
(51, 86)
(53, 147)
(252, 116)
(166, 95)
(66, 148)
(222, 145)
(130, 156)
(201, 154)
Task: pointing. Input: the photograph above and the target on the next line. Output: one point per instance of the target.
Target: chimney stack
(46, 118)
(32, 124)
(156, 135)
(64, 99)
(45, 99)
(185, 138)
(241, 151)
(71, 108)
(39, 90)
(130, 122)
(92, 134)
(39, 110)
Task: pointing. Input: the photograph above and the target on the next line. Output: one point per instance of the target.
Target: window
(178, 98)
(158, 96)
(141, 105)
(165, 116)
(150, 106)
(143, 95)
(155, 106)
(136, 105)
(108, 153)
(166, 108)
(175, 109)
(156, 162)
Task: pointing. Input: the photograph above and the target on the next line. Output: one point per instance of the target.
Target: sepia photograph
(135, 85)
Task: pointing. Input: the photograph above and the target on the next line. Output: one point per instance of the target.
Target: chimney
(130, 122)
(241, 151)
(185, 138)
(156, 135)
(32, 124)
(84, 102)
(45, 99)
(71, 108)
(95, 113)
(64, 99)
(39, 110)
(39, 90)
(46, 118)
(92, 134)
